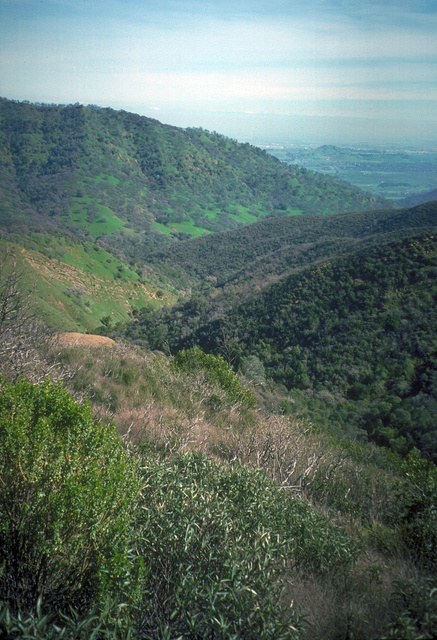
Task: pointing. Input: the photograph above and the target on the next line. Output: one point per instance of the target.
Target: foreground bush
(68, 494)
(102, 624)
(415, 610)
(218, 542)
(202, 549)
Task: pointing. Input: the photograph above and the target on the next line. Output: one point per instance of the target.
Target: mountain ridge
(354, 321)
(215, 255)
(134, 182)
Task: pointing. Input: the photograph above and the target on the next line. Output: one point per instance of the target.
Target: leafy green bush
(417, 512)
(36, 625)
(68, 495)
(216, 370)
(218, 542)
(416, 607)
(253, 369)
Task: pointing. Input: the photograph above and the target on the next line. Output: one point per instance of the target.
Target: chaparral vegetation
(245, 446)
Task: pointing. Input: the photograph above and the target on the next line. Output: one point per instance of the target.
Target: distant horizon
(264, 130)
(322, 71)
(261, 129)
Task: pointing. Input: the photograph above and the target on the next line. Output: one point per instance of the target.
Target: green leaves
(216, 370)
(68, 495)
(95, 625)
(218, 541)
(417, 510)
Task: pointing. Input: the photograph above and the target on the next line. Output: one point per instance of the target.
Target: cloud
(262, 56)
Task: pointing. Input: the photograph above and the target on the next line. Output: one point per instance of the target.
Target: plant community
(217, 391)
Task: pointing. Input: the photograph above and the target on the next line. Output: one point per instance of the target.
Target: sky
(262, 71)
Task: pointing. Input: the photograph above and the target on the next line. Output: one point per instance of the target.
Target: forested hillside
(212, 516)
(133, 182)
(276, 246)
(418, 198)
(286, 292)
(344, 321)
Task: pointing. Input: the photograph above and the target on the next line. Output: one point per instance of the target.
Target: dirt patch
(85, 340)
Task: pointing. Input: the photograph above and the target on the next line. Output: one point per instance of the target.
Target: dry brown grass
(153, 404)
(84, 340)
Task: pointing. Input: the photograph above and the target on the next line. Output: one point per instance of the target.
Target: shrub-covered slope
(221, 521)
(362, 327)
(114, 174)
(278, 245)
(356, 328)
(417, 198)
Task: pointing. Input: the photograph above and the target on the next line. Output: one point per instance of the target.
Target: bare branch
(24, 342)
(15, 302)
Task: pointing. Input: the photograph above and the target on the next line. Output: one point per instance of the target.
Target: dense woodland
(340, 315)
(253, 456)
(276, 246)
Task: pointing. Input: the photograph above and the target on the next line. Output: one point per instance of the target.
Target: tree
(216, 371)
(253, 369)
(229, 343)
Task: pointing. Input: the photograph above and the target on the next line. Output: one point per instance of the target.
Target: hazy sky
(262, 70)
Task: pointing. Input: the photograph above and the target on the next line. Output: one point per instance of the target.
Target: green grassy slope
(73, 286)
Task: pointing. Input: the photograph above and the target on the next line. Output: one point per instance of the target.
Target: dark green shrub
(37, 625)
(218, 542)
(416, 608)
(68, 495)
(416, 510)
(253, 369)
